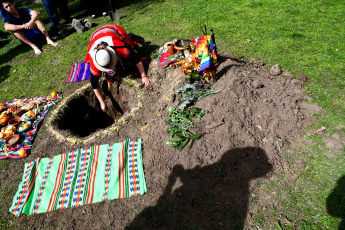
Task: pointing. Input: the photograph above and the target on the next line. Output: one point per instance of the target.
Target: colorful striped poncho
(82, 176)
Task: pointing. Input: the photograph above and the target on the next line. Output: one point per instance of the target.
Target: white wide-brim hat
(104, 59)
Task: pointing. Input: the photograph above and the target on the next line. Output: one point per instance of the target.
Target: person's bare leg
(21, 36)
(42, 28)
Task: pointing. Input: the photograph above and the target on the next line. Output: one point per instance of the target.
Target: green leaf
(183, 144)
(195, 136)
(175, 144)
(176, 139)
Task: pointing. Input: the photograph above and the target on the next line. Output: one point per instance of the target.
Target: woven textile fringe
(82, 176)
(79, 72)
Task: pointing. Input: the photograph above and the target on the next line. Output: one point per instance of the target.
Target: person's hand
(104, 107)
(145, 80)
(29, 26)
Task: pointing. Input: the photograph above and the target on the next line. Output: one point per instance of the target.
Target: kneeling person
(25, 25)
(109, 48)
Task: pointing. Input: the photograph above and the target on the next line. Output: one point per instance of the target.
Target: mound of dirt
(250, 123)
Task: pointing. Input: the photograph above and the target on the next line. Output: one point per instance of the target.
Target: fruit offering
(11, 109)
(4, 118)
(22, 152)
(28, 115)
(23, 126)
(7, 131)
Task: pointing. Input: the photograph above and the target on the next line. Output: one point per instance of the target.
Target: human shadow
(4, 72)
(335, 204)
(211, 197)
(8, 56)
(221, 70)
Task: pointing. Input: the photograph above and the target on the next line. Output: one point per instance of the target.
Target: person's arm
(12, 27)
(143, 75)
(136, 58)
(35, 15)
(94, 84)
(100, 99)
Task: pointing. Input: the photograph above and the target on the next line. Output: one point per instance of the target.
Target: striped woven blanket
(79, 72)
(82, 176)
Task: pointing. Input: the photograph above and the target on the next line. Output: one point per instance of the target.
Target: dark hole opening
(83, 116)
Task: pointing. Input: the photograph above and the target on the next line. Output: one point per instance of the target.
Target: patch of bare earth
(250, 123)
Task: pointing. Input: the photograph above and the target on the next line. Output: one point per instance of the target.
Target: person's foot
(51, 42)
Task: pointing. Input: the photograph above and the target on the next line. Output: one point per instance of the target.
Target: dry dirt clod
(302, 77)
(215, 124)
(320, 130)
(275, 70)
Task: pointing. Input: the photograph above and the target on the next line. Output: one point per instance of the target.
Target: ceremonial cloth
(82, 176)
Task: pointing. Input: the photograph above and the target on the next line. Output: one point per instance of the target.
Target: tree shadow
(211, 197)
(335, 204)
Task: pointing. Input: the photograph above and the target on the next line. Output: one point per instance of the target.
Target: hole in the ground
(82, 116)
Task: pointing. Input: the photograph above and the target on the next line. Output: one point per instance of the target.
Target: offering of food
(4, 117)
(17, 112)
(24, 126)
(12, 140)
(22, 152)
(29, 115)
(28, 106)
(11, 109)
(14, 121)
(7, 131)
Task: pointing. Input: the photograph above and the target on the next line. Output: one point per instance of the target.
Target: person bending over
(25, 24)
(109, 49)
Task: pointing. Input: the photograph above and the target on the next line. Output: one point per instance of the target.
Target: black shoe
(67, 21)
(64, 32)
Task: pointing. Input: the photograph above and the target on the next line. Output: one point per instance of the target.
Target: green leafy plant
(179, 121)
(191, 93)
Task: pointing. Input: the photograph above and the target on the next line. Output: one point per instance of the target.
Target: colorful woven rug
(82, 176)
(79, 72)
(44, 104)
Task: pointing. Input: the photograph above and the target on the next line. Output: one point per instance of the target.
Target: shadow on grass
(12, 53)
(211, 197)
(4, 72)
(336, 202)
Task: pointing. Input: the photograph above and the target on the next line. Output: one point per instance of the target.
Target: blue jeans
(51, 8)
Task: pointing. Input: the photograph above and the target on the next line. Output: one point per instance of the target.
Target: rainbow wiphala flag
(205, 48)
(82, 176)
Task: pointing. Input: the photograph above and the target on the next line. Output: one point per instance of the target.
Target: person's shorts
(33, 35)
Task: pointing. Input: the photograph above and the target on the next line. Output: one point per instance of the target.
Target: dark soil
(250, 124)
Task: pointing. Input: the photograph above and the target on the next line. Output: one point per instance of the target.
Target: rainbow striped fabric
(82, 176)
(79, 72)
(205, 49)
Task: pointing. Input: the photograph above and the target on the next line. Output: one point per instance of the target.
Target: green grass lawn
(303, 36)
